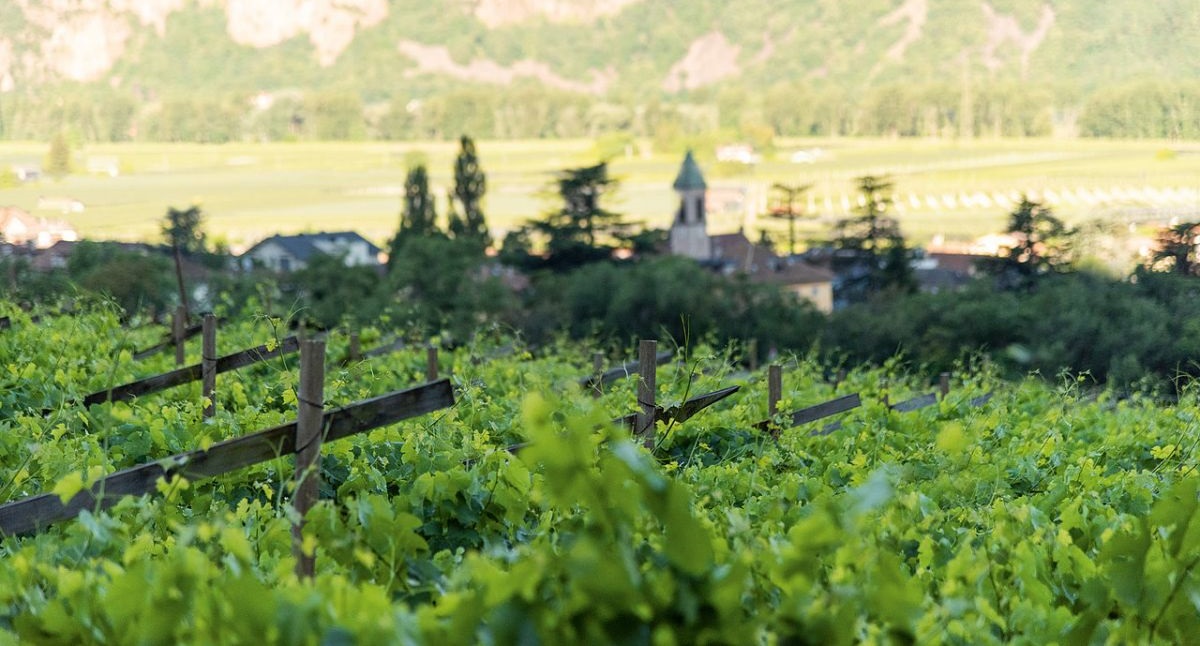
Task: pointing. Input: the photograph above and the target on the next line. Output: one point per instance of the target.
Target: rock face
(496, 13)
(331, 25)
(81, 40)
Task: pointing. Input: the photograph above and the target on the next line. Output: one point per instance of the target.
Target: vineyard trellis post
(944, 384)
(431, 363)
(179, 333)
(310, 404)
(597, 373)
(208, 364)
(355, 353)
(647, 352)
(774, 388)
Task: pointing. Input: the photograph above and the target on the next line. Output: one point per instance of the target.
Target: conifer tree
(58, 159)
(419, 217)
(470, 185)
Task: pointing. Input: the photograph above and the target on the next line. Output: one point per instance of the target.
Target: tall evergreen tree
(419, 218)
(581, 231)
(58, 159)
(1041, 246)
(470, 185)
(874, 256)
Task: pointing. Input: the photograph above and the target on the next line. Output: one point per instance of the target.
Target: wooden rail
(621, 371)
(191, 373)
(32, 514)
(188, 332)
(916, 403)
(819, 411)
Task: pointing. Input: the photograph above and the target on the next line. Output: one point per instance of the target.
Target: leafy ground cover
(1040, 517)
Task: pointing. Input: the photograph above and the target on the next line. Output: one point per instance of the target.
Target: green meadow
(956, 189)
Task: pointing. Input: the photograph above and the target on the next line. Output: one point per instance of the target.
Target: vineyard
(533, 497)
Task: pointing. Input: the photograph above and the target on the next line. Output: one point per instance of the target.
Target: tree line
(1138, 109)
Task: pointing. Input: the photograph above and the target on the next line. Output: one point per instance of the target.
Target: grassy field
(959, 190)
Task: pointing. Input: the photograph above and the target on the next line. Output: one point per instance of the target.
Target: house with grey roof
(290, 253)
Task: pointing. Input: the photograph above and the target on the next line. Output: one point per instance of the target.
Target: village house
(734, 253)
(290, 253)
(18, 227)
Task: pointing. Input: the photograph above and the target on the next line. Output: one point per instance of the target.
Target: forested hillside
(117, 69)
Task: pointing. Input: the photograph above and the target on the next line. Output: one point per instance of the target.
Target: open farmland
(958, 189)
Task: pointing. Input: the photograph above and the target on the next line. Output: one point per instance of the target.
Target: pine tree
(576, 233)
(419, 218)
(1042, 246)
(420, 214)
(470, 184)
(58, 159)
(877, 257)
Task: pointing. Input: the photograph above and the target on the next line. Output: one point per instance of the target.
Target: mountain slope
(623, 51)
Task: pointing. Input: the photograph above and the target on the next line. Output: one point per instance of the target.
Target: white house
(289, 253)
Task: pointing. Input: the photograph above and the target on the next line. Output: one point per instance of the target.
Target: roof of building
(958, 262)
(736, 248)
(759, 261)
(304, 245)
(792, 272)
(689, 177)
(9, 213)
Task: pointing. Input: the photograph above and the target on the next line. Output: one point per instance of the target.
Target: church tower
(689, 231)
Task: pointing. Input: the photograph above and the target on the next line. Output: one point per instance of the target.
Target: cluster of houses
(49, 244)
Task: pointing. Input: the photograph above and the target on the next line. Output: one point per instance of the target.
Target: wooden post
(774, 389)
(597, 370)
(183, 299)
(309, 422)
(178, 330)
(208, 364)
(647, 351)
(752, 355)
(355, 348)
(944, 384)
(431, 363)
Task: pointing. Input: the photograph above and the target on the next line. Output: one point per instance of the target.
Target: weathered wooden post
(648, 366)
(183, 298)
(597, 374)
(355, 354)
(431, 363)
(944, 384)
(752, 352)
(309, 422)
(208, 364)
(178, 331)
(774, 389)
